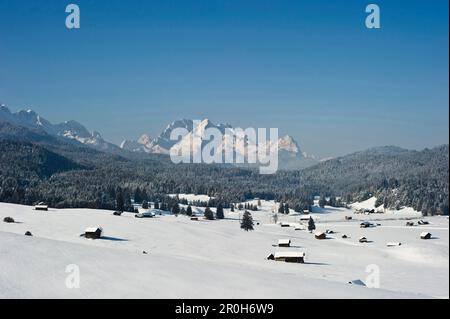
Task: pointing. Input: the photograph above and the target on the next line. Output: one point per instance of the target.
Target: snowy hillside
(216, 259)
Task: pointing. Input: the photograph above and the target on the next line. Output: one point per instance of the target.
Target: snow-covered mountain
(71, 130)
(290, 154)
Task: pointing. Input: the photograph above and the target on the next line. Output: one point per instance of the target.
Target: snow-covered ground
(192, 197)
(216, 259)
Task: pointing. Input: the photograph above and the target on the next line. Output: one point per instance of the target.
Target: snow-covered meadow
(217, 259)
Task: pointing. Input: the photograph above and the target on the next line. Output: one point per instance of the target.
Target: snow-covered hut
(319, 235)
(93, 232)
(425, 235)
(41, 206)
(284, 243)
(393, 244)
(363, 239)
(290, 256)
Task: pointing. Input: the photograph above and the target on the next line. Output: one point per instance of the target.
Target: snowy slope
(204, 259)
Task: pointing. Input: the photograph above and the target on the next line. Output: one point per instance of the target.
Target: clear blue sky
(310, 68)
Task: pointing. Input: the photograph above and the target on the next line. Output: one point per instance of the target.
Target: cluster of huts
(298, 256)
(367, 211)
(420, 222)
(293, 256)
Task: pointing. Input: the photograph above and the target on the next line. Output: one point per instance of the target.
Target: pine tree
(281, 208)
(120, 203)
(219, 212)
(176, 209)
(145, 204)
(189, 210)
(332, 201)
(209, 215)
(322, 201)
(247, 221)
(137, 195)
(232, 208)
(286, 209)
(311, 225)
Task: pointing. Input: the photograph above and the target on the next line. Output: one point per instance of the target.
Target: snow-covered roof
(92, 229)
(391, 244)
(284, 241)
(358, 282)
(425, 233)
(283, 254)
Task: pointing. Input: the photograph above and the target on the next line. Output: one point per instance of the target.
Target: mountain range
(69, 130)
(290, 154)
(67, 166)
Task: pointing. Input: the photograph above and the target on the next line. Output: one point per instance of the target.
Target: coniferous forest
(35, 168)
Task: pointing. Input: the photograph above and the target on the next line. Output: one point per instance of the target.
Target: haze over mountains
(70, 130)
(290, 154)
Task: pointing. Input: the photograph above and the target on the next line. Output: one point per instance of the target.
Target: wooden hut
(194, 218)
(41, 206)
(357, 282)
(423, 222)
(425, 235)
(393, 244)
(363, 239)
(290, 256)
(285, 225)
(284, 243)
(366, 225)
(409, 224)
(93, 232)
(320, 235)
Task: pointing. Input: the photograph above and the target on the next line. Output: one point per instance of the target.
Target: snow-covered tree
(219, 212)
(311, 225)
(189, 210)
(247, 221)
(209, 215)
